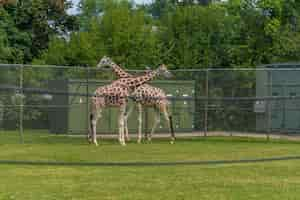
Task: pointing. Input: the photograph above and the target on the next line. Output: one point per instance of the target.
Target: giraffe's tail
(90, 131)
(170, 121)
(172, 128)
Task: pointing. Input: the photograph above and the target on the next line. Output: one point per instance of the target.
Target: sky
(143, 1)
(75, 2)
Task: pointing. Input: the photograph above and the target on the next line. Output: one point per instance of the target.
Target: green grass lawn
(269, 180)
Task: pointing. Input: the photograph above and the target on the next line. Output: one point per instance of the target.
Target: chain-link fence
(55, 99)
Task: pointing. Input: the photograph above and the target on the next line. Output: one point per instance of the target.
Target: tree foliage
(27, 27)
(187, 34)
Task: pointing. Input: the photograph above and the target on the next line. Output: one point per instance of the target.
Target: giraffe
(144, 96)
(116, 95)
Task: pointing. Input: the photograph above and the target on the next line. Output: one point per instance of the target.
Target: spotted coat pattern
(143, 95)
(116, 94)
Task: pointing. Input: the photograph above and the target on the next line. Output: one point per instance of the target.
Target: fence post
(206, 104)
(87, 99)
(269, 104)
(21, 106)
(283, 108)
(146, 127)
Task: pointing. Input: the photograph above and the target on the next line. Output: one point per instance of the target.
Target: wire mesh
(56, 99)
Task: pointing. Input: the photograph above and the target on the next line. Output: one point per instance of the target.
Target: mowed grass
(268, 180)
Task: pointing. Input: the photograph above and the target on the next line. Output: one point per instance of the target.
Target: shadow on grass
(44, 137)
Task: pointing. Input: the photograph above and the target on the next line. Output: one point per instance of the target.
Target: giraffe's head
(163, 70)
(105, 62)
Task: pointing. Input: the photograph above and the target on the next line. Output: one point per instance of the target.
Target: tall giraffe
(145, 96)
(116, 95)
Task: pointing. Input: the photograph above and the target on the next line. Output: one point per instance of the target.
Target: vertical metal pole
(146, 122)
(282, 105)
(269, 104)
(87, 99)
(21, 106)
(206, 104)
(111, 114)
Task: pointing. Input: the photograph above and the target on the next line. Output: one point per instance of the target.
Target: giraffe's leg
(169, 122)
(89, 135)
(156, 122)
(89, 132)
(90, 126)
(90, 129)
(94, 118)
(126, 122)
(121, 125)
(127, 138)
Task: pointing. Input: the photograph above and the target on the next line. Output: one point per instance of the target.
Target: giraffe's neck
(140, 80)
(119, 71)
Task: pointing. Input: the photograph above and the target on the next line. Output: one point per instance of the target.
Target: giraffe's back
(110, 95)
(149, 96)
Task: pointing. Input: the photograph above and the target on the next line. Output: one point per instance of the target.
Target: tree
(159, 7)
(6, 2)
(29, 24)
(58, 3)
(125, 34)
(232, 33)
(192, 2)
(199, 36)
